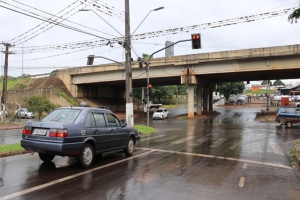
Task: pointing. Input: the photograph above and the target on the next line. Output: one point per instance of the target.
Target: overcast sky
(276, 31)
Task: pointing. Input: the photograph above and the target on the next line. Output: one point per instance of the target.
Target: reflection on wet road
(231, 156)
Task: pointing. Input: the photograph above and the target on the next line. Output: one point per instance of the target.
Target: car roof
(85, 108)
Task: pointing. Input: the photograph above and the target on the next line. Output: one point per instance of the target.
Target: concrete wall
(17, 96)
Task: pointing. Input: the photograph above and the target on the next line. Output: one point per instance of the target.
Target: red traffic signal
(150, 86)
(196, 41)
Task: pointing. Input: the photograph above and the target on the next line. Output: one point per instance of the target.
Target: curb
(12, 127)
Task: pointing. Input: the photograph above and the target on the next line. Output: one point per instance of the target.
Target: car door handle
(112, 130)
(96, 131)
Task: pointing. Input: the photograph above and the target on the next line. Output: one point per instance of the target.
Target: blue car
(81, 132)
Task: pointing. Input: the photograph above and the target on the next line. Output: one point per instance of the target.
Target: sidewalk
(11, 126)
(120, 115)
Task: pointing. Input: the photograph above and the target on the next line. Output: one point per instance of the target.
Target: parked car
(24, 113)
(161, 113)
(81, 132)
(1, 113)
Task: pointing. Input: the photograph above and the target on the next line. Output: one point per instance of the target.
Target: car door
(166, 113)
(100, 131)
(119, 135)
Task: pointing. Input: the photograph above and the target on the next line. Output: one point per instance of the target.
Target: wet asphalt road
(231, 156)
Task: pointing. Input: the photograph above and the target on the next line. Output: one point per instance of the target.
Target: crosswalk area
(254, 145)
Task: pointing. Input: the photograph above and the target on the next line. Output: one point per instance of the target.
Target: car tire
(86, 155)
(129, 147)
(46, 157)
(288, 124)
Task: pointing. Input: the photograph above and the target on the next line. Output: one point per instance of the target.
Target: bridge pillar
(190, 101)
(210, 99)
(199, 99)
(205, 98)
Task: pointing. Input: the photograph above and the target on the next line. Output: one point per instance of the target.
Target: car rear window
(62, 116)
(288, 110)
(158, 110)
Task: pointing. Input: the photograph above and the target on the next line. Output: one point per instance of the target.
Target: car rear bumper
(62, 149)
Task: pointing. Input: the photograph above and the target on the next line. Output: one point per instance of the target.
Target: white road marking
(276, 148)
(217, 143)
(245, 166)
(235, 144)
(220, 157)
(242, 182)
(149, 138)
(200, 141)
(183, 140)
(68, 178)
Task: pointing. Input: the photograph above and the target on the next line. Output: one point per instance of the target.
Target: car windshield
(62, 115)
(158, 110)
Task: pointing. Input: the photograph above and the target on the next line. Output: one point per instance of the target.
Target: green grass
(69, 99)
(10, 147)
(145, 129)
(12, 82)
(170, 106)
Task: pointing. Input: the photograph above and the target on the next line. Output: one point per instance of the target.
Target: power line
(55, 23)
(216, 24)
(43, 22)
(63, 18)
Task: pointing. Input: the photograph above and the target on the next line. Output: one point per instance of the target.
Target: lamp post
(156, 9)
(128, 70)
(102, 19)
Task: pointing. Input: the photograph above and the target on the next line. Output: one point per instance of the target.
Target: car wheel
(25, 116)
(46, 157)
(288, 124)
(129, 147)
(86, 156)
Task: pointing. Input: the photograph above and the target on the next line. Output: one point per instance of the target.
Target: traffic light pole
(148, 63)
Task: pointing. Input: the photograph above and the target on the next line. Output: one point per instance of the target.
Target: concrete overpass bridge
(204, 70)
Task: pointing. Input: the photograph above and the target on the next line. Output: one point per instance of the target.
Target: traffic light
(140, 60)
(196, 41)
(90, 60)
(150, 88)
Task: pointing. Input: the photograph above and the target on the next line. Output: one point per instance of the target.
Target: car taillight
(61, 133)
(27, 130)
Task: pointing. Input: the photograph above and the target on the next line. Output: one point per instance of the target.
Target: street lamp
(102, 19)
(156, 9)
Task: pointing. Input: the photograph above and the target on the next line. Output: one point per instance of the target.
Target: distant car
(80, 132)
(161, 113)
(24, 113)
(1, 113)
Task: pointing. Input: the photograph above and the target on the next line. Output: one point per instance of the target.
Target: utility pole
(4, 90)
(128, 70)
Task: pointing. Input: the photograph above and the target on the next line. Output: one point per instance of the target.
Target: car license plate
(40, 132)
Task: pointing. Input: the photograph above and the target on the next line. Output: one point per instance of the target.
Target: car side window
(99, 119)
(112, 120)
(87, 122)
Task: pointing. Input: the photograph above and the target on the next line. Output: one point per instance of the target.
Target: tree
(146, 56)
(228, 88)
(160, 92)
(294, 16)
(39, 104)
(278, 83)
(266, 82)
